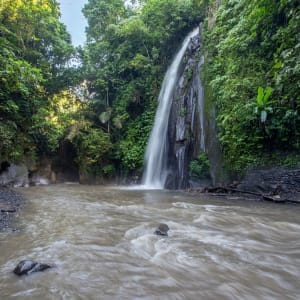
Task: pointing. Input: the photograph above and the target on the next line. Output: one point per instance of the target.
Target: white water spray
(156, 173)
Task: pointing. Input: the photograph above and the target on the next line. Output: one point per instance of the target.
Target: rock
(26, 267)
(278, 182)
(14, 175)
(162, 229)
(191, 125)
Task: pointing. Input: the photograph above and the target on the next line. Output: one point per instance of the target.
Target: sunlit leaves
(93, 147)
(34, 53)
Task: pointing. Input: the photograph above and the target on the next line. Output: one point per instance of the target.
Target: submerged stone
(26, 267)
(162, 229)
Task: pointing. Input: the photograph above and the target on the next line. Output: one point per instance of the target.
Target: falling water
(155, 173)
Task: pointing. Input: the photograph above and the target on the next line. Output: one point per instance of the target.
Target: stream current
(101, 241)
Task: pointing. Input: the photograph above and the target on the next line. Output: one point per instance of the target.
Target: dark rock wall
(184, 129)
(191, 124)
(281, 182)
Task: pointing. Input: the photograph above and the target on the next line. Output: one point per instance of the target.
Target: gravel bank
(10, 203)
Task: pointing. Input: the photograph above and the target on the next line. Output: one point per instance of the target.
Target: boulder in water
(26, 267)
(162, 229)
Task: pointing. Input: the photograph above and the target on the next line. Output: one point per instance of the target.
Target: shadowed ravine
(101, 242)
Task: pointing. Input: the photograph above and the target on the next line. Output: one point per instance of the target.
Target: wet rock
(26, 267)
(162, 229)
(279, 183)
(14, 175)
(191, 126)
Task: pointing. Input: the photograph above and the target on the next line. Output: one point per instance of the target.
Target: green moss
(182, 112)
(200, 166)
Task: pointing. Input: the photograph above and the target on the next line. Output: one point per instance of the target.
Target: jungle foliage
(252, 73)
(129, 46)
(35, 50)
(105, 105)
(108, 117)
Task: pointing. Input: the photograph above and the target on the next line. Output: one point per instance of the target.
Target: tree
(34, 55)
(251, 70)
(128, 49)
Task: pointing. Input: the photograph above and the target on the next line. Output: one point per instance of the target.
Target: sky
(73, 18)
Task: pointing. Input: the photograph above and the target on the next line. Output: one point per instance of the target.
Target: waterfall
(156, 157)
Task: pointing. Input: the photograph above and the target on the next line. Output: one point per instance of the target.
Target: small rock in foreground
(162, 229)
(26, 267)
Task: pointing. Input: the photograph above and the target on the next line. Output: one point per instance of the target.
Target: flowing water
(156, 154)
(101, 241)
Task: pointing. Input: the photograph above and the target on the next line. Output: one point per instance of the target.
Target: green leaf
(260, 96)
(267, 94)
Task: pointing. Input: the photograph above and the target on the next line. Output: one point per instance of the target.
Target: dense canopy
(101, 97)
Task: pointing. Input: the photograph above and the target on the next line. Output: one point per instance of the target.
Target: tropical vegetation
(102, 96)
(252, 74)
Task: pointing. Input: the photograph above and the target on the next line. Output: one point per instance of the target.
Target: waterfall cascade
(187, 121)
(156, 172)
(180, 127)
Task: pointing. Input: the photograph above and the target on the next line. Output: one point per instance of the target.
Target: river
(101, 241)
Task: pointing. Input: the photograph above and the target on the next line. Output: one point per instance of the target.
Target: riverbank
(277, 184)
(10, 203)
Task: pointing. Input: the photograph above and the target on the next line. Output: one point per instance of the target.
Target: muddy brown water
(101, 241)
